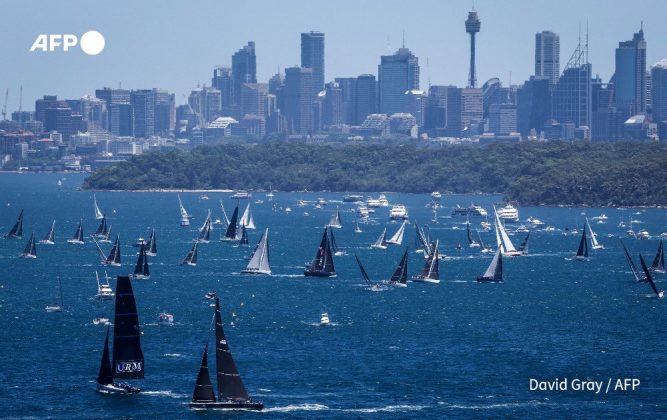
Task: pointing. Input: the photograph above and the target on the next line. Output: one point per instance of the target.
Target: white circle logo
(92, 42)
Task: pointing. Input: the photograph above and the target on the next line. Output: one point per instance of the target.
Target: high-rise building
(143, 105)
(435, 118)
(659, 91)
(547, 55)
(222, 80)
(348, 87)
(365, 98)
(206, 103)
(94, 112)
(165, 111)
(244, 70)
(296, 101)
(41, 105)
(464, 111)
(332, 112)
(397, 74)
(121, 119)
(630, 74)
(473, 25)
(113, 96)
(502, 119)
(58, 117)
(312, 57)
(253, 99)
(571, 101)
(533, 105)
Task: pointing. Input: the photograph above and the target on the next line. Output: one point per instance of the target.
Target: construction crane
(21, 107)
(4, 107)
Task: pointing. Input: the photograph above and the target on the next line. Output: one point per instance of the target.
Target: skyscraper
(222, 80)
(312, 57)
(659, 91)
(572, 94)
(244, 70)
(121, 116)
(296, 99)
(365, 97)
(533, 104)
(165, 111)
(630, 74)
(473, 25)
(397, 74)
(253, 99)
(547, 55)
(143, 105)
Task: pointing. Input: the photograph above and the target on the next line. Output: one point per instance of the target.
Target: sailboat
(191, 258)
(244, 236)
(658, 264)
(649, 278)
(357, 229)
(58, 307)
(381, 243)
(582, 251)
(322, 264)
(17, 229)
(224, 215)
(259, 261)
(246, 219)
(30, 250)
(431, 271)
(151, 245)
(141, 270)
(471, 242)
(128, 359)
(400, 276)
(185, 217)
(633, 267)
(78, 235)
(114, 255)
(205, 230)
(483, 248)
(594, 238)
(335, 220)
(232, 229)
(523, 247)
(98, 214)
(232, 394)
(494, 273)
(107, 238)
(334, 245)
(421, 242)
(50, 238)
(102, 229)
(371, 285)
(397, 239)
(503, 240)
(104, 290)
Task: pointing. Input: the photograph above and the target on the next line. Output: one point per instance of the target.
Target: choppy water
(454, 349)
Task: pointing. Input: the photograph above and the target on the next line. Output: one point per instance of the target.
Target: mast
(649, 278)
(382, 240)
(203, 387)
(631, 263)
(364, 275)
(51, 236)
(431, 270)
(98, 213)
(244, 236)
(152, 245)
(191, 257)
(230, 385)
(658, 264)
(523, 248)
(30, 249)
(224, 215)
(397, 239)
(128, 358)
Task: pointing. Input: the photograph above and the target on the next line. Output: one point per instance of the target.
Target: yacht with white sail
(259, 260)
(397, 238)
(50, 238)
(185, 217)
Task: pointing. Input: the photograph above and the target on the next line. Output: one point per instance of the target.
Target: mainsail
(503, 240)
(114, 255)
(151, 246)
(78, 235)
(322, 264)
(649, 278)
(431, 271)
(205, 230)
(191, 258)
(50, 237)
(364, 275)
(523, 247)
(128, 359)
(185, 217)
(102, 229)
(594, 239)
(632, 265)
(17, 229)
(224, 215)
(230, 385)
(582, 251)
(98, 214)
(246, 219)
(658, 264)
(471, 242)
(382, 240)
(259, 261)
(335, 220)
(141, 269)
(397, 239)
(105, 375)
(231, 232)
(494, 272)
(30, 250)
(244, 236)
(400, 276)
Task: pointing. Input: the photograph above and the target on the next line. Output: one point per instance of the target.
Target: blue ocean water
(458, 348)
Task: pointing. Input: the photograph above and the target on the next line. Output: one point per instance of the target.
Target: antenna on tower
(428, 73)
(509, 89)
(403, 37)
(388, 46)
(586, 41)
(21, 107)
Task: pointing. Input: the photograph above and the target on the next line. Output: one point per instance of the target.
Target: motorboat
(241, 195)
(324, 319)
(509, 213)
(398, 212)
(165, 319)
(534, 221)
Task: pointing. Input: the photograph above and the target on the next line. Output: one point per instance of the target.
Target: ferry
(241, 195)
(473, 210)
(352, 198)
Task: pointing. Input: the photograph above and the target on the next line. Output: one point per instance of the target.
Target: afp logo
(92, 42)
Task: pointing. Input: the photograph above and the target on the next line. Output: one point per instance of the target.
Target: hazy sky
(175, 44)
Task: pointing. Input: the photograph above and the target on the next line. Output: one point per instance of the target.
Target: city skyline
(190, 55)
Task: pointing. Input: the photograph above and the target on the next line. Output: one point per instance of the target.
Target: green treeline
(550, 173)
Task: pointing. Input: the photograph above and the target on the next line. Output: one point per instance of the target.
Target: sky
(175, 45)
